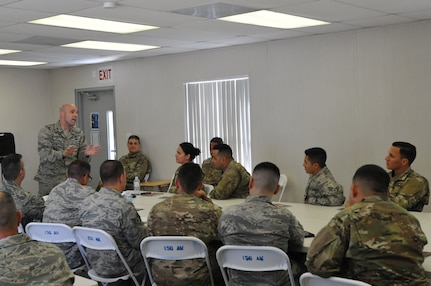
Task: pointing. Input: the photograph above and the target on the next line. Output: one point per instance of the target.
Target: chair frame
(232, 256)
(53, 233)
(100, 240)
(166, 248)
(309, 279)
(282, 182)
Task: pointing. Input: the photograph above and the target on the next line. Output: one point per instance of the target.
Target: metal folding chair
(100, 240)
(253, 258)
(309, 279)
(174, 248)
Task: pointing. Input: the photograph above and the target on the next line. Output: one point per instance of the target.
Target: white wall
(352, 93)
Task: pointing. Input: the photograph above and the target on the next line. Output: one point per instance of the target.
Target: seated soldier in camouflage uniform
(322, 189)
(188, 213)
(373, 239)
(235, 178)
(258, 222)
(31, 206)
(135, 163)
(186, 153)
(109, 211)
(407, 188)
(24, 261)
(63, 203)
(211, 175)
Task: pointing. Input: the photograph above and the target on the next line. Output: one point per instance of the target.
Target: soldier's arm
(142, 168)
(134, 228)
(412, 193)
(226, 186)
(35, 206)
(45, 147)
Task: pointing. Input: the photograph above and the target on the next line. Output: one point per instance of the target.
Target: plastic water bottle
(136, 184)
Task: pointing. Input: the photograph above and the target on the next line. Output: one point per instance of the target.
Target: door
(97, 119)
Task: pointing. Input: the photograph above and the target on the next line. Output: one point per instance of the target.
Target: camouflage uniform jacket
(409, 190)
(135, 165)
(31, 206)
(109, 211)
(234, 183)
(211, 175)
(184, 215)
(28, 262)
(172, 187)
(258, 222)
(322, 189)
(375, 241)
(62, 206)
(52, 141)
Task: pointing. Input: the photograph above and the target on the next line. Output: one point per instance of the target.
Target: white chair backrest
(99, 240)
(174, 248)
(50, 232)
(253, 258)
(309, 279)
(282, 182)
(208, 188)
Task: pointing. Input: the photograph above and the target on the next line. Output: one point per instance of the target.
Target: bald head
(68, 115)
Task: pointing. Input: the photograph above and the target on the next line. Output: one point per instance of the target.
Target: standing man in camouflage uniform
(31, 206)
(211, 175)
(109, 211)
(406, 188)
(24, 261)
(372, 239)
(235, 178)
(322, 189)
(135, 163)
(58, 145)
(63, 203)
(188, 213)
(258, 222)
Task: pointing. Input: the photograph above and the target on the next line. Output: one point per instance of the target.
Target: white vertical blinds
(219, 108)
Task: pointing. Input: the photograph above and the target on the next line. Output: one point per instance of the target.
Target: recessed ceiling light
(96, 45)
(5, 52)
(273, 19)
(92, 24)
(20, 63)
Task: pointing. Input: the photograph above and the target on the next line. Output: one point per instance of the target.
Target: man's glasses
(89, 177)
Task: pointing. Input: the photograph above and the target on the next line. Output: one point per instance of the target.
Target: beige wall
(352, 93)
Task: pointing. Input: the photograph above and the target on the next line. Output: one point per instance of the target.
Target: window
(219, 108)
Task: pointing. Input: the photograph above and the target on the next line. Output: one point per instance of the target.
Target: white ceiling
(180, 33)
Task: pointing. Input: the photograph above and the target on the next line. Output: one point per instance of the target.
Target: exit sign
(105, 74)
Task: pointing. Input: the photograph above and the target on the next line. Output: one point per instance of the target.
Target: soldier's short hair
(223, 150)
(136, 137)
(8, 215)
(11, 165)
(372, 178)
(191, 150)
(217, 140)
(78, 168)
(190, 177)
(111, 171)
(316, 155)
(266, 176)
(407, 150)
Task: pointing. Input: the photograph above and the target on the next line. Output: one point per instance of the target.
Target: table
(152, 184)
(312, 217)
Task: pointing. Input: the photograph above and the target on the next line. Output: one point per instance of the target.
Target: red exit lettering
(105, 74)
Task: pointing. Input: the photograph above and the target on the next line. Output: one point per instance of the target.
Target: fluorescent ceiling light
(5, 52)
(20, 63)
(92, 24)
(96, 45)
(273, 19)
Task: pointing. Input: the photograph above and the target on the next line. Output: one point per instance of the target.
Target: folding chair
(282, 182)
(174, 248)
(100, 240)
(253, 258)
(53, 233)
(309, 279)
